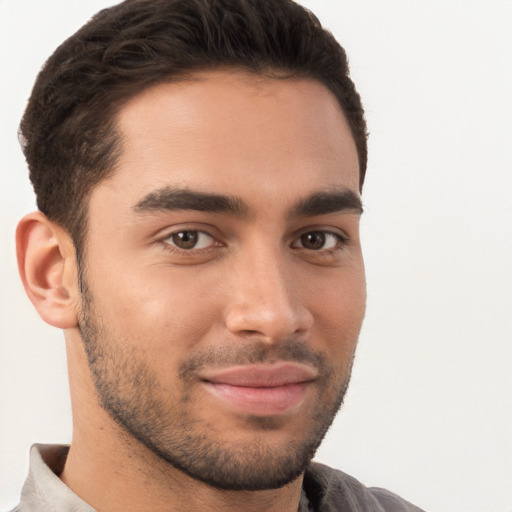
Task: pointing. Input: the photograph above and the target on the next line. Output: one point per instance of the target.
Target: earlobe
(47, 266)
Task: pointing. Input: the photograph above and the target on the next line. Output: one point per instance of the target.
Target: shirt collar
(43, 490)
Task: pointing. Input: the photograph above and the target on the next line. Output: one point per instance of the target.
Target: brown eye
(319, 241)
(314, 240)
(187, 240)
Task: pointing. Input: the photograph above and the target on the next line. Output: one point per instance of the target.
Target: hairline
(79, 230)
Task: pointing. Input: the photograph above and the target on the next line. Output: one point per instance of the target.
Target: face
(224, 282)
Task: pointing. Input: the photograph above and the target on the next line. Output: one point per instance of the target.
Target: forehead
(233, 132)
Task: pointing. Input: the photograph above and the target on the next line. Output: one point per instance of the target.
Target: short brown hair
(68, 131)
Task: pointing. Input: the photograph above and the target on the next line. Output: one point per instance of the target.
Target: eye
(190, 239)
(319, 241)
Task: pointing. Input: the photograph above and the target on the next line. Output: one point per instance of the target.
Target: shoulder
(331, 490)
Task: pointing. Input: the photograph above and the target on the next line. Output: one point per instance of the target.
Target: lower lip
(260, 401)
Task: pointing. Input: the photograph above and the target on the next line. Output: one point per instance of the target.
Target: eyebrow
(168, 199)
(172, 199)
(331, 201)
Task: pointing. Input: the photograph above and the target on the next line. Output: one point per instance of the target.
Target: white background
(429, 412)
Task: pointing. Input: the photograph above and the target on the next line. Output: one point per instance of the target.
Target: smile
(262, 390)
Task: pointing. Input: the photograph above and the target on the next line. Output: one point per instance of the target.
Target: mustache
(291, 351)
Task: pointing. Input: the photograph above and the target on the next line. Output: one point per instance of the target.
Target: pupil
(314, 240)
(185, 239)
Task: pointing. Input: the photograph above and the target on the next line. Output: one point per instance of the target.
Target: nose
(265, 299)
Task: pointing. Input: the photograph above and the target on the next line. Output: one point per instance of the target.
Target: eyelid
(164, 235)
(337, 232)
(168, 239)
(199, 227)
(340, 237)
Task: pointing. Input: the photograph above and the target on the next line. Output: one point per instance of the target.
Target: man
(198, 168)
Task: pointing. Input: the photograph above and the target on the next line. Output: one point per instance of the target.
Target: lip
(263, 389)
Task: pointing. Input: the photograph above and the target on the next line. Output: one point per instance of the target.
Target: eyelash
(168, 245)
(341, 242)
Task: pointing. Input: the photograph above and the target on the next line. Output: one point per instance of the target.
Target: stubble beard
(130, 392)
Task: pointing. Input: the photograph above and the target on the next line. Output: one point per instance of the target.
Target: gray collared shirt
(44, 491)
(324, 489)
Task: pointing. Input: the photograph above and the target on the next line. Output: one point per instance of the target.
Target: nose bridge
(266, 298)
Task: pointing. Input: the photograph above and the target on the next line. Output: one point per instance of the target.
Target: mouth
(263, 389)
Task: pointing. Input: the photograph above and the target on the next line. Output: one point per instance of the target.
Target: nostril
(266, 324)
(251, 332)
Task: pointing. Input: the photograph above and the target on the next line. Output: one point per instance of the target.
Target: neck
(120, 476)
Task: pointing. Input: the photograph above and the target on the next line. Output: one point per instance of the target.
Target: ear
(47, 266)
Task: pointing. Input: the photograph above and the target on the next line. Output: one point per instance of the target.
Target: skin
(269, 282)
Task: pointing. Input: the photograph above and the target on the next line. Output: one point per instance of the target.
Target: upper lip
(261, 375)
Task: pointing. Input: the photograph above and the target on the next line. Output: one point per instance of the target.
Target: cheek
(338, 308)
(155, 307)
